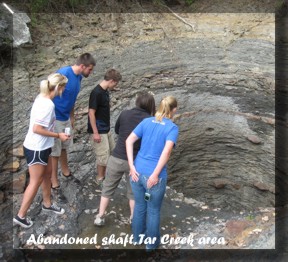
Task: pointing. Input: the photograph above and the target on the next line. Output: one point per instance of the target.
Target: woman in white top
(37, 147)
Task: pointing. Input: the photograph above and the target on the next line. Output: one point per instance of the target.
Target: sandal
(70, 175)
(56, 187)
(76, 180)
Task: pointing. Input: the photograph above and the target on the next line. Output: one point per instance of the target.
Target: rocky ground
(221, 190)
(181, 217)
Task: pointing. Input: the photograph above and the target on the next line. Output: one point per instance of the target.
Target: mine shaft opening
(224, 156)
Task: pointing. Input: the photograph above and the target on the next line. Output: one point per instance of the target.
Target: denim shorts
(37, 157)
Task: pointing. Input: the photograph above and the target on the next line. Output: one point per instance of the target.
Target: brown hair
(146, 101)
(112, 74)
(85, 59)
(167, 104)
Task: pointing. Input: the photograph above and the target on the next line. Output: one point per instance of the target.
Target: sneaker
(23, 222)
(54, 208)
(99, 221)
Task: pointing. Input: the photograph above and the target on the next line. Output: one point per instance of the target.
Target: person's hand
(63, 137)
(97, 138)
(152, 181)
(134, 174)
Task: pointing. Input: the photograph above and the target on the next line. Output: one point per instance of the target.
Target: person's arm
(91, 114)
(132, 138)
(165, 155)
(41, 130)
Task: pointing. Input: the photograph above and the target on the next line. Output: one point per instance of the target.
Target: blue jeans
(146, 218)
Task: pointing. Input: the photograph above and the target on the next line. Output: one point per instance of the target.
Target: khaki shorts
(115, 170)
(103, 149)
(58, 144)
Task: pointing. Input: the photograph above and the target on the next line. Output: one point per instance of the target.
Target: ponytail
(52, 83)
(165, 108)
(44, 87)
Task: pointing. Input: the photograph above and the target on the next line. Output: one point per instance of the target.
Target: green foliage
(189, 2)
(279, 4)
(158, 2)
(250, 217)
(40, 6)
(76, 3)
(37, 5)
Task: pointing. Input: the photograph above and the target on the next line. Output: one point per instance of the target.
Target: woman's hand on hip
(134, 174)
(152, 181)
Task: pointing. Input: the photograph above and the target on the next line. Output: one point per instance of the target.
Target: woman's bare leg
(46, 184)
(54, 175)
(36, 177)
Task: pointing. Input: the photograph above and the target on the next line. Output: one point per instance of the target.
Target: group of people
(146, 137)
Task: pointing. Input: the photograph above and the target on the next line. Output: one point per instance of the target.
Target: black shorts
(37, 157)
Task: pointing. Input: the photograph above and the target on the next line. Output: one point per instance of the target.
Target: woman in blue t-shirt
(148, 173)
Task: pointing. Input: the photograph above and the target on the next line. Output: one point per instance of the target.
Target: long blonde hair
(166, 107)
(52, 83)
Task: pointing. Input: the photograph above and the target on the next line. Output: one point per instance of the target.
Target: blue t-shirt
(154, 136)
(65, 103)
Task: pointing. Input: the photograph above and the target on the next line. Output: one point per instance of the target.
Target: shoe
(70, 176)
(23, 222)
(99, 221)
(56, 187)
(54, 208)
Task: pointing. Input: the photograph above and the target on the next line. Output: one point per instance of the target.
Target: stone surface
(234, 228)
(18, 152)
(220, 183)
(21, 32)
(13, 28)
(2, 197)
(254, 139)
(261, 186)
(19, 183)
(12, 166)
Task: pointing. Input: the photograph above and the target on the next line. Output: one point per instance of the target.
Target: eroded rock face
(222, 76)
(220, 69)
(13, 28)
(21, 32)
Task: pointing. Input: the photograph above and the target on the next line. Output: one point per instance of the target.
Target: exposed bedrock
(223, 80)
(225, 153)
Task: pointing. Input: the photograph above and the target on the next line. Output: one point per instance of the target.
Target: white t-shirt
(42, 113)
